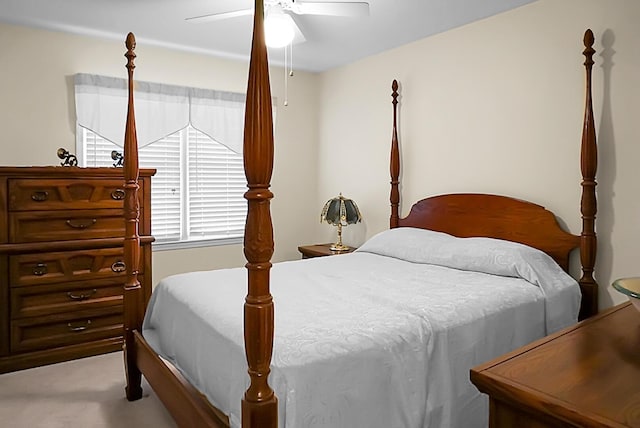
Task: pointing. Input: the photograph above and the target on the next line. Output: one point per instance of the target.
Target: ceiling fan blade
(331, 8)
(219, 16)
(298, 37)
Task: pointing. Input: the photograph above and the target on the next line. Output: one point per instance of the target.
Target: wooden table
(320, 250)
(585, 376)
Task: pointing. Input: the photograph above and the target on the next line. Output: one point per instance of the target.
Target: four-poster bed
(546, 307)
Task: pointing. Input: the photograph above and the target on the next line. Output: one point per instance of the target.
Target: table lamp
(340, 211)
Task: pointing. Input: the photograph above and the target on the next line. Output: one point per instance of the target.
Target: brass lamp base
(339, 247)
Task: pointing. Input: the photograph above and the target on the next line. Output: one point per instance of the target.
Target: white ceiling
(331, 41)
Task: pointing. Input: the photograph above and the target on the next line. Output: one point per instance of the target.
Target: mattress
(382, 337)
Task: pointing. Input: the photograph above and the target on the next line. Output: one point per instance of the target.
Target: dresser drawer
(42, 226)
(66, 297)
(64, 194)
(66, 266)
(30, 334)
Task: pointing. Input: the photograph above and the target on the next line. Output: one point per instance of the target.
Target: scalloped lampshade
(340, 211)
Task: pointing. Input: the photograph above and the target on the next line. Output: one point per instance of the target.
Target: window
(193, 137)
(197, 194)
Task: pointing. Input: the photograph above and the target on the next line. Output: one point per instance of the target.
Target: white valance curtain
(161, 110)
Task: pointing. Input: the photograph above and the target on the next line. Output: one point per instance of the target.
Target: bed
(357, 344)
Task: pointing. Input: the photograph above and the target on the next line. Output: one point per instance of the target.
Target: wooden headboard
(493, 216)
(502, 217)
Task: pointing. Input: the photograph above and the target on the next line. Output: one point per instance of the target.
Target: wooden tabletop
(321, 250)
(587, 375)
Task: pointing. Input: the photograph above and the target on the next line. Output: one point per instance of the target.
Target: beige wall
(496, 106)
(37, 115)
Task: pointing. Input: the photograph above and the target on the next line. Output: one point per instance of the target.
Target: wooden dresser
(585, 376)
(61, 262)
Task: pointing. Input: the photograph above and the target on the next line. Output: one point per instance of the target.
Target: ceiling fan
(278, 16)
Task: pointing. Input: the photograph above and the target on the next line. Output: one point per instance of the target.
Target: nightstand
(584, 376)
(320, 250)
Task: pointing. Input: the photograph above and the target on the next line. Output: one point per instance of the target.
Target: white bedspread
(364, 339)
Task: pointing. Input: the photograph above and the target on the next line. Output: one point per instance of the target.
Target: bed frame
(462, 215)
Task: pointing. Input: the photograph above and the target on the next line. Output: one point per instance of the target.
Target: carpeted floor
(82, 393)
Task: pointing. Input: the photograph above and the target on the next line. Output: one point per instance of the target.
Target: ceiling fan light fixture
(278, 28)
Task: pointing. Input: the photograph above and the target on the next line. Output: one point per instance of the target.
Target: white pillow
(488, 255)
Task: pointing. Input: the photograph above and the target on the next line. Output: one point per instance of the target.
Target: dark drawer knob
(39, 196)
(82, 296)
(117, 194)
(40, 269)
(81, 223)
(79, 326)
(118, 266)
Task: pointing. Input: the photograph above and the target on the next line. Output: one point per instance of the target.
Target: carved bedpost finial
(130, 43)
(394, 94)
(395, 161)
(588, 166)
(588, 52)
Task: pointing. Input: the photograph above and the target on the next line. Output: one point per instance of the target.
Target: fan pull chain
(286, 80)
(288, 71)
(291, 59)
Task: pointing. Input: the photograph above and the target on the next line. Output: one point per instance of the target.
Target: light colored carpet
(82, 393)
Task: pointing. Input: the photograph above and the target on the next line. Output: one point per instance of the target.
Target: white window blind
(216, 206)
(198, 191)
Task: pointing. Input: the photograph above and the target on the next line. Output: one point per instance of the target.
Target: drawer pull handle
(81, 296)
(117, 194)
(40, 269)
(79, 327)
(118, 266)
(79, 224)
(39, 196)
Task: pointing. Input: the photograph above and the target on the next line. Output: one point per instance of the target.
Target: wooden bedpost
(395, 162)
(132, 291)
(588, 165)
(259, 405)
